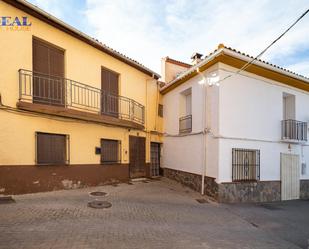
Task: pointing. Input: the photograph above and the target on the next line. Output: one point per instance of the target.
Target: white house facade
(237, 136)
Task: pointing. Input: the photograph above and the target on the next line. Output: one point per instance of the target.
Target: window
(51, 149)
(110, 88)
(110, 151)
(185, 111)
(160, 110)
(48, 78)
(288, 106)
(245, 165)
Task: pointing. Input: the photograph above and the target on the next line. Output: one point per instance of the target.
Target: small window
(185, 111)
(160, 110)
(51, 149)
(245, 165)
(110, 151)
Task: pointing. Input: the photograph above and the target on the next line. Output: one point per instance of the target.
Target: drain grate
(270, 207)
(99, 204)
(202, 201)
(6, 199)
(98, 193)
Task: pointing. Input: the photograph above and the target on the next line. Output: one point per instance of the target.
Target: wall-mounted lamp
(211, 79)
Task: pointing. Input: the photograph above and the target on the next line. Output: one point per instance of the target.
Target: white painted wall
(245, 111)
(250, 112)
(186, 152)
(183, 153)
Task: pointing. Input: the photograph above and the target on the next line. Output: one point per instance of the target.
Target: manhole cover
(99, 204)
(98, 193)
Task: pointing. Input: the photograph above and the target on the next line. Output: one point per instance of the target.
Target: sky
(148, 30)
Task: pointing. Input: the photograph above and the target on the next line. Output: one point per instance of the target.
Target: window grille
(245, 165)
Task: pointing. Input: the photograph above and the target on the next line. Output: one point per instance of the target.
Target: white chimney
(196, 58)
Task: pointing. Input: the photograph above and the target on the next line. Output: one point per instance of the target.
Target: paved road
(157, 214)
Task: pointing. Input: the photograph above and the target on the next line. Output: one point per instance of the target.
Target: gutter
(266, 65)
(194, 68)
(229, 52)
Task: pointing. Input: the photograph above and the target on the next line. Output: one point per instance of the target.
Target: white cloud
(52, 6)
(149, 30)
(301, 67)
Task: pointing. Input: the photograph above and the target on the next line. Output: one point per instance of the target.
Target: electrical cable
(263, 51)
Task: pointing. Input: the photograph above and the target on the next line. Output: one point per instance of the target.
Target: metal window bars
(294, 130)
(185, 124)
(245, 165)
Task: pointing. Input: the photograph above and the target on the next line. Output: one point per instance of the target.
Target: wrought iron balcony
(185, 124)
(57, 91)
(294, 130)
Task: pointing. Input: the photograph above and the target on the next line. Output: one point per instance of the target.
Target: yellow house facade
(73, 111)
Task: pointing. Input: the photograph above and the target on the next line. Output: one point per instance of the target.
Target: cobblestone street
(152, 214)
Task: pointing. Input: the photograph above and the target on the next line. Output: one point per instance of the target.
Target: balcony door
(48, 74)
(110, 92)
(288, 106)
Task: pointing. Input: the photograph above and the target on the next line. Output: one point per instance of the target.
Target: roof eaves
(263, 63)
(233, 52)
(208, 58)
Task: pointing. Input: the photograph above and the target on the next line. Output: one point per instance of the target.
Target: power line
(263, 51)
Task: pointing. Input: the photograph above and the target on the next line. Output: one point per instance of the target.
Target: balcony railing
(185, 124)
(293, 130)
(57, 91)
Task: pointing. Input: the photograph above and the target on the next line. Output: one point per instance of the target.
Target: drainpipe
(204, 84)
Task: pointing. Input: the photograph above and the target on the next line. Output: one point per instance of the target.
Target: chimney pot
(196, 58)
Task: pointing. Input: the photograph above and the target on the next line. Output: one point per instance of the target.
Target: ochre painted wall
(82, 63)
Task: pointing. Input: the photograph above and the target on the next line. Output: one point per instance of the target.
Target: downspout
(204, 84)
(157, 106)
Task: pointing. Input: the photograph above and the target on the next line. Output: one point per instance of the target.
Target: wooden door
(290, 176)
(48, 74)
(110, 88)
(137, 150)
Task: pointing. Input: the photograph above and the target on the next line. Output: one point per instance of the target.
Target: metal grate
(245, 165)
(155, 159)
(185, 124)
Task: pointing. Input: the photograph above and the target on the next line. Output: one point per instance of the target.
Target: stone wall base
(193, 181)
(263, 191)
